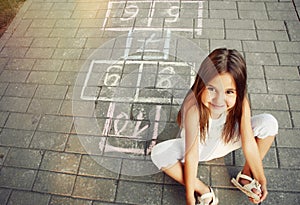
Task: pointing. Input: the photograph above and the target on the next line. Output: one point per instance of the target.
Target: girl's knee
(155, 154)
(159, 155)
(265, 125)
(167, 153)
(271, 122)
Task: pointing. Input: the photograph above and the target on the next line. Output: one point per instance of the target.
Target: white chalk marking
(164, 80)
(130, 13)
(150, 14)
(138, 82)
(156, 120)
(200, 13)
(176, 15)
(138, 131)
(128, 44)
(167, 45)
(109, 7)
(120, 116)
(110, 114)
(86, 82)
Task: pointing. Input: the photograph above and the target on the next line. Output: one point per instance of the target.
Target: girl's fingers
(264, 193)
(254, 201)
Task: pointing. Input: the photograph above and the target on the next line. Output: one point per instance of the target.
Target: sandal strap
(254, 184)
(206, 196)
(243, 176)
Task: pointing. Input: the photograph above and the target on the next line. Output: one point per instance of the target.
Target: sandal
(247, 188)
(201, 199)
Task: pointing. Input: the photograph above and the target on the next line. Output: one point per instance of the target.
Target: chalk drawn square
(146, 13)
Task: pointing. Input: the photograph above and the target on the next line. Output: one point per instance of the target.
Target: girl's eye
(211, 89)
(230, 92)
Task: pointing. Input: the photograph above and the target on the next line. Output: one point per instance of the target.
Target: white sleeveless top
(215, 128)
(214, 146)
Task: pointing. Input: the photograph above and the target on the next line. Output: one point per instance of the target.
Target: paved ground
(91, 85)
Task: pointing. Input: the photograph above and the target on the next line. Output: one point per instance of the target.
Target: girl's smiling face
(219, 95)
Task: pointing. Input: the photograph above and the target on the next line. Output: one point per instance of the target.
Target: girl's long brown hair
(219, 61)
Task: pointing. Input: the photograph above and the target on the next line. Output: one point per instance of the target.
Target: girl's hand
(264, 192)
(263, 195)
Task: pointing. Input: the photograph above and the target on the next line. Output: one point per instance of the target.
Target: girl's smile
(219, 95)
(217, 106)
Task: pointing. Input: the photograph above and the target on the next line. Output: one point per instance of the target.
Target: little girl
(215, 119)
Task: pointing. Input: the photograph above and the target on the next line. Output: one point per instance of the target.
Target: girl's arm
(249, 145)
(191, 124)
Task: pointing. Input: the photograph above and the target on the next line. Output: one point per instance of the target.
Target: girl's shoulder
(192, 113)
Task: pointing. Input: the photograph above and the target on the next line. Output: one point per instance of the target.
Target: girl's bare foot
(245, 181)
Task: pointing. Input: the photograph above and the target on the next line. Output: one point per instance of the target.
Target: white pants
(169, 152)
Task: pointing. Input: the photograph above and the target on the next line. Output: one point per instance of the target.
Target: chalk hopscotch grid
(111, 129)
(128, 15)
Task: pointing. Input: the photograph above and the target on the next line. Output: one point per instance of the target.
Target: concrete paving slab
(45, 182)
(49, 141)
(28, 197)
